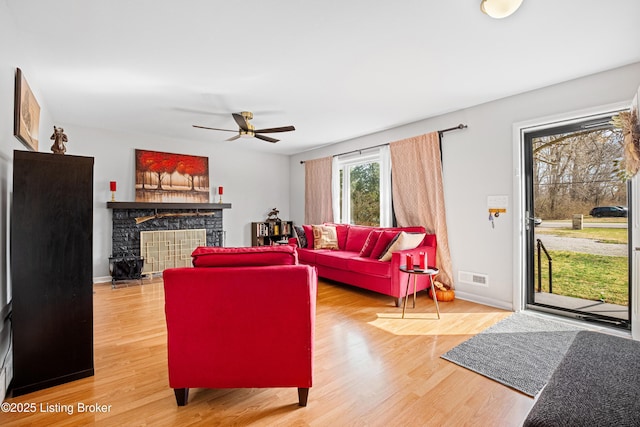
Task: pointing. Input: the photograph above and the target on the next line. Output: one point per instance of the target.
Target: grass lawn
(588, 276)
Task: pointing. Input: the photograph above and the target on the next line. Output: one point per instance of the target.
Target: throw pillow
(308, 232)
(370, 243)
(302, 237)
(383, 241)
(324, 237)
(341, 230)
(403, 241)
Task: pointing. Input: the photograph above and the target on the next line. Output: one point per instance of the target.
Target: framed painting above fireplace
(167, 177)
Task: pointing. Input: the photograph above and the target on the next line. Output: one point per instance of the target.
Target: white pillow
(403, 241)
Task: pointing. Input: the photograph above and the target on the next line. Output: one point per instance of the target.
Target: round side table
(415, 272)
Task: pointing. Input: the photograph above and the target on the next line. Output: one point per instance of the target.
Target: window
(362, 188)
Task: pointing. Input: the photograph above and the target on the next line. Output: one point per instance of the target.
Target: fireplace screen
(162, 249)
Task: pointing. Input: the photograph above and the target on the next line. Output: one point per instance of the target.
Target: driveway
(565, 224)
(575, 244)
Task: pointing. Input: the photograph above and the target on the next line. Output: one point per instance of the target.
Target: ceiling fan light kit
(247, 129)
(499, 8)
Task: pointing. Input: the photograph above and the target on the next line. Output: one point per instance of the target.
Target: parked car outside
(609, 211)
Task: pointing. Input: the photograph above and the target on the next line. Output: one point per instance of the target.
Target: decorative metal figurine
(273, 215)
(59, 138)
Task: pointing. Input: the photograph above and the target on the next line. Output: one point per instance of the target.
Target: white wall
(12, 57)
(478, 162)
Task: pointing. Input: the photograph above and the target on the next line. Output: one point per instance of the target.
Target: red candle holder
(112, 187)
(422, 260)
(220, 192)
(409, 262)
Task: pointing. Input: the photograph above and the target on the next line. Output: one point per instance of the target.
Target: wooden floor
(371, 369)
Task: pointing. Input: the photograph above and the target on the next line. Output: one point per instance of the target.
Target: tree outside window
(360, 190)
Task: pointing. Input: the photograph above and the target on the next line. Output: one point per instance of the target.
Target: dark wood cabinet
(51, 269)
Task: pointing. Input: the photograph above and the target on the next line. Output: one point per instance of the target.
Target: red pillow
(308, 231)
(207, 256)
(356, 237)
(383, 241)
(370, 243)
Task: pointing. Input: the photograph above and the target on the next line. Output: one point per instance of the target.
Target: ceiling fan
(246, 128)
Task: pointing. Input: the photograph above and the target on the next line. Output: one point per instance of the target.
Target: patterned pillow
(324, 237)
(302, 237)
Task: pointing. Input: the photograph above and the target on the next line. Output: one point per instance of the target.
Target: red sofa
(351, 265)
(241, 318)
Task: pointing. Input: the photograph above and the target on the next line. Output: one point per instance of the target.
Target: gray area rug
(596, 384)
(522, 351)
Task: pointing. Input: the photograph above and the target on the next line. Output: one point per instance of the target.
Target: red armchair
(241, 318)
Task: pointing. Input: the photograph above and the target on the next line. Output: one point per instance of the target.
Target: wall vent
(476, 279)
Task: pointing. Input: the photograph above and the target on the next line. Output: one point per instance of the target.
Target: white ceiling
(335, 69)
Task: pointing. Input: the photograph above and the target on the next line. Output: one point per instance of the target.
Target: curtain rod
(440, 132)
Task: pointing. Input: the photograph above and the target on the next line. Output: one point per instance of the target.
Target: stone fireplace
(130, 218)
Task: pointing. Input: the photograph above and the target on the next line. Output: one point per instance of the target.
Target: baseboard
(107, 279)
(102, 279)
(505, 305)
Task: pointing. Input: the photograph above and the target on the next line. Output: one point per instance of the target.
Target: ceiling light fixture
(499, 8)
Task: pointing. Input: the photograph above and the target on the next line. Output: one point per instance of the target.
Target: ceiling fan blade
(272, 130)
(233, 138)
(266, 138)
(204, 127)
(240, 120)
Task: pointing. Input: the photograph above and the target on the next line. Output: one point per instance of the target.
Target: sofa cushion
(207, 256)
(402, 242)
(411, 229)
(341, 230)
(370, 243)
(369, 266)
(307, 255)
(383, 241)
(324, 237)
(334, 259)
(356, 237)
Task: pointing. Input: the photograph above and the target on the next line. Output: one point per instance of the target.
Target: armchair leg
(182, 396)
(399, 302)
(303, 395)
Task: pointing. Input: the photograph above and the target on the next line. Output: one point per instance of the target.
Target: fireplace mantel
(172, 206)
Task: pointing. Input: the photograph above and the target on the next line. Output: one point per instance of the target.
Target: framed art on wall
(26, 113)
(167, 177)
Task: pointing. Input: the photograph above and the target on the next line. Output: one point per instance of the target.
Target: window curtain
(335, 189)
(386, 214)
(317, 191)
(418, 196)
